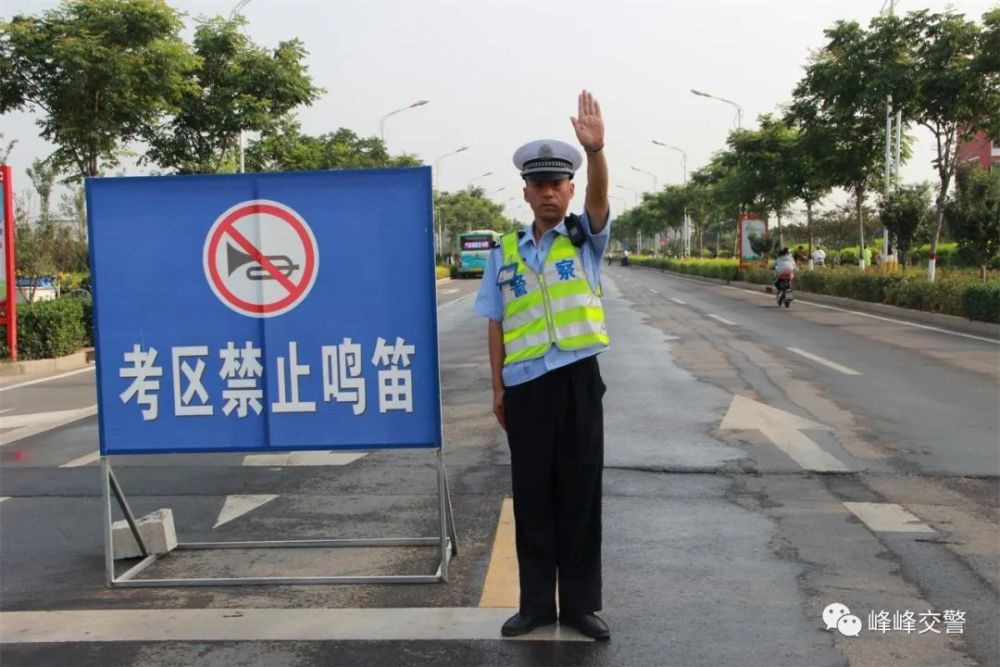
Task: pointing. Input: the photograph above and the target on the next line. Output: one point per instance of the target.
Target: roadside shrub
(78, 280)
(52, 328)
(981, 301)
(955, 292)
(947, 255)
(442, 272)
(847, 257)
(944, 295)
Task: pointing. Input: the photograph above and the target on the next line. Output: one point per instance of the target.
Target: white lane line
(237, 506)
(197, 625)
(448, 291)
(652, 290)
(303, 459)
(461, 298)
(846, 310)
(3, 498)
(23, 426)
(826, 362)
(683, 303)
(47, 379)
(721, 319)
(83, 460)
(888, 518)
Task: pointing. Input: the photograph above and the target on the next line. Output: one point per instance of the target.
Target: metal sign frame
(445, 541)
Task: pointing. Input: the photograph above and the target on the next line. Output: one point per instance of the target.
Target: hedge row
(53, 328)
(959, 293)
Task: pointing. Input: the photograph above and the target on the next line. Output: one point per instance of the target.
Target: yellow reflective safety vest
(554, 307)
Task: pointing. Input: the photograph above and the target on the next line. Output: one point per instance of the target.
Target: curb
(952, 322)
(443, 280)
(44, 366)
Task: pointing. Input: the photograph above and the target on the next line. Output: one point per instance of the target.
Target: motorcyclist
(784, 265)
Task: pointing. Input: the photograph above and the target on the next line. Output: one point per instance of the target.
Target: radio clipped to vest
(574, 229)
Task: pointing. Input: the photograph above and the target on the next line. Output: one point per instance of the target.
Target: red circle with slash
(295, 243)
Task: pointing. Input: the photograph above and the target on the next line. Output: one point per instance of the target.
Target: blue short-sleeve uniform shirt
(489, 302)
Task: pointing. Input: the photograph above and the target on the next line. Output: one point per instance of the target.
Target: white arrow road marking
(303, 459)
(783, 429)
(683, 303)
(826, 362)
(23, 426)
(237, 506)
(721, 319)
(888, 518)
(83, 460)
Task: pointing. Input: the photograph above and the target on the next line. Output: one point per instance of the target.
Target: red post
(739, 239)
(8, 316)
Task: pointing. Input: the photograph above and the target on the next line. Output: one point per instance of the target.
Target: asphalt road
(762, 464)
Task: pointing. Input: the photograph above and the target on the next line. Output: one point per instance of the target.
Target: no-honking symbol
(261, 258)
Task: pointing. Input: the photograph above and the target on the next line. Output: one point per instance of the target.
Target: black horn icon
(236, 258)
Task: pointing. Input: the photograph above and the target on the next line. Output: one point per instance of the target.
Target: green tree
(5, 150)
(956, 90)
(719, 192)
(100, 71)
(287, 149)
(43, 177)
(973, 216)
(837, 227)
(236, 85)
(809, 172)
(762, 161)
(901, 212)
(465, 211)
(73, 210)
(843, 97)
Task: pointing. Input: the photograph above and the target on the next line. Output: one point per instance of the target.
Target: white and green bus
(474, 248)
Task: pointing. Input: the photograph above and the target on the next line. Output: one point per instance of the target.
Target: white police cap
(547, 160)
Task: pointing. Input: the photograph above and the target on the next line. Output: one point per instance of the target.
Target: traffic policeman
(541, 293)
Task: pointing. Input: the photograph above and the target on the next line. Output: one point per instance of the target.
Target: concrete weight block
(156, 529)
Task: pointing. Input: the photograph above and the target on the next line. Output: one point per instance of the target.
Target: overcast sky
(499, 73)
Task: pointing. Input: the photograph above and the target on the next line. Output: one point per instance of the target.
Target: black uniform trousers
(555, 429)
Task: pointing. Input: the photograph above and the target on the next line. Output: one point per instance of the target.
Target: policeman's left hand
(588, 124)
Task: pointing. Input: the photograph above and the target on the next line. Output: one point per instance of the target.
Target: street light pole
(686, 228)
(656, 183)
(437, 180)
(891, 164)
(739, 109)
(638, 232)
(469, 185)
(381, 121)
(635, 193)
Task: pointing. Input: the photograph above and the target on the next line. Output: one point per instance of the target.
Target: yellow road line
(502, 588)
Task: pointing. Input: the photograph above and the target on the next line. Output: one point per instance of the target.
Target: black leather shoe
(522, 624)
(588, 625)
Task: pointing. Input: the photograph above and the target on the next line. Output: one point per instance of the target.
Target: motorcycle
(784, 286)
